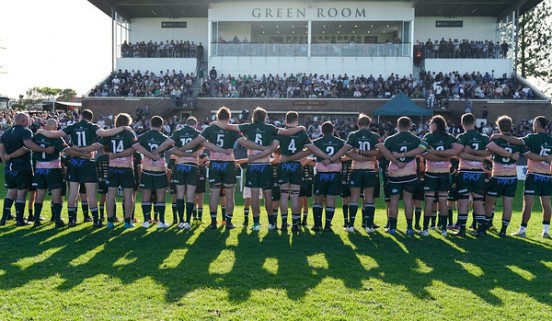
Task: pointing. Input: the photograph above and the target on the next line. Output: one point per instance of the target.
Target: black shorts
(306, 189)
(201, 180)
(327, 183)
(222, 173)
(18, 177)
(398, 185)
(50, 178)
(82, 171)
(468, 182)
(436, 182)
(538, 184)
(502, 186)
(123, 177)
(185, 174)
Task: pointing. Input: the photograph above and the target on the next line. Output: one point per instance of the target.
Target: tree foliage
(38, 94)
(535, 42)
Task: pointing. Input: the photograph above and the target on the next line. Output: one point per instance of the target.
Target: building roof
(129, 9)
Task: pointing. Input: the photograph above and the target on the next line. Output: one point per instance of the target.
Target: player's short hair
(327, 128)
(468, 119)
(87, 114)
(541, 121)
(504, 123)
(291, 117)
(223, 113)
(191, 121)
(404, 122)
(157, 121)
(363, 120)
(259, 115)
(123, 119)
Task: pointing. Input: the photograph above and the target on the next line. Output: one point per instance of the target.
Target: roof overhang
(129, 9)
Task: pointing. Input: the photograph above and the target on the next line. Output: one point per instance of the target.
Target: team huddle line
(283, 164)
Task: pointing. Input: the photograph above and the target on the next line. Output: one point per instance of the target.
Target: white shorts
(247, 193)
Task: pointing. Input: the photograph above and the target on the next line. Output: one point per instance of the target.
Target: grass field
(202, 274)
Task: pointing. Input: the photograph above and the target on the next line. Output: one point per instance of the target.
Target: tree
(38, 94)
(66, 95)
(535, 42)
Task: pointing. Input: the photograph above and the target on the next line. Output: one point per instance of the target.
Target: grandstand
(321, 53)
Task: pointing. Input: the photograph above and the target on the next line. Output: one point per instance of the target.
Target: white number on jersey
(291, 146)
(117, 146)
(81, 139)
(330, 150)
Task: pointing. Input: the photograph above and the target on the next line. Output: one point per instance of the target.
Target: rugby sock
(370, 209)
(443, 220)
(505, 224)
(426, 222)
(481, 222)
(194, 214)
(200, 213)
(345, 209)
(409, 223)
(295, 219)
(329, 216)
(353, 208)
(213, 218)
(31, 216)
(393, 223)
(180, 209)
(53, 218)
(246, 213)
(228, 219)
(128, 220)
(418, 215)
(189, 211)
(433, 218)
(546, 227)
(523, 227)
(317, 214)
(94, 212)
(19, 210)
(160, 208)
(57, 211)
(146, 210)
(256, 220)
(176, 212)
(275, 216)
(72, 213)
(284, 218)
(474, 221)
(223, 211)
(84, 206)
(305, 215)
(37, 211)
(102, 213)
(8, 202)
(114, 210)
(462, 220)
(450, 216)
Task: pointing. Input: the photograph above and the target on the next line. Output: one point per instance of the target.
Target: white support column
(309, 38)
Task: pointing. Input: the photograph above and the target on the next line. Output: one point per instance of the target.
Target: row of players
(363, 147)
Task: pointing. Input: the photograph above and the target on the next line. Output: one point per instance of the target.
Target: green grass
(86, 274)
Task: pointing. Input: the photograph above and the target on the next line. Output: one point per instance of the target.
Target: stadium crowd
(465, 49)
(149, 84)
(167, 49)
(431, 86)
(346, 166)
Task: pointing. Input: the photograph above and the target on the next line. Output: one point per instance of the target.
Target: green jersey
(511, 148)
(220, 137)
(152, 139)
(402, 142)
(259, 133)
(540, 144)
(328, 144)
(120, 142)
(473, 139)
(290, 145)
(438, 141)
(185, 135)
(363, 140)
(83, 133)
(43, 141)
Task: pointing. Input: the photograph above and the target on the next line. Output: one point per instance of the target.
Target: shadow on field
(242, 262)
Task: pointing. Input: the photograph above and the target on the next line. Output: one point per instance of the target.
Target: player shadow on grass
(479, 266)
(183, 261)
